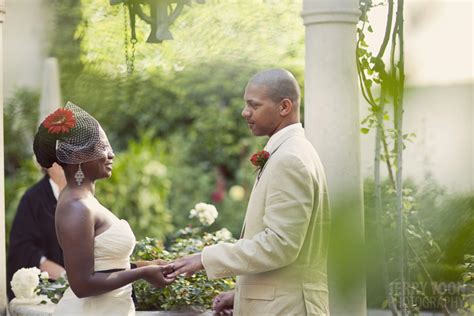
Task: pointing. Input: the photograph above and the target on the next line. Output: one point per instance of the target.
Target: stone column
(3, 277)
(472, 142)
(332, 125)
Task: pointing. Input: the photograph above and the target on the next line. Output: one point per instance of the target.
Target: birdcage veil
(83, 143)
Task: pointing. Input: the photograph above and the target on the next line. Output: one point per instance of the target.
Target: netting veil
(83, 143)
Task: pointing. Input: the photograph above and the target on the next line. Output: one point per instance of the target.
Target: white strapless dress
(112, 250)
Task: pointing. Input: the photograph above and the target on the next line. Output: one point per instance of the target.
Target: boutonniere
(259, 159)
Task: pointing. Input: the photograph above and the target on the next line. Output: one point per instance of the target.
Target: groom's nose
(245, 112)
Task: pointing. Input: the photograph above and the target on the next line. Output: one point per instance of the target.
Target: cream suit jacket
(280, 260)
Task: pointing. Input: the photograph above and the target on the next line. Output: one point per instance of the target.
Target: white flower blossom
(25, 281)
(205, 213)
(44, 275)
(155, 168)
(224, 234)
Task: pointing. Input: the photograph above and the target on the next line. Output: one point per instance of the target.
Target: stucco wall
(442, 117)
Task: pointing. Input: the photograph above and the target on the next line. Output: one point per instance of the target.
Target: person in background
(33, 241)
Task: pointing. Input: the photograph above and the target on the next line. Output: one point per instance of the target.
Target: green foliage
(195, 292)
(52, 289)
(20, 123)
(468, 289)
(451, 220)
(255, 32)
(187, 92)
(438, 235)
(139, 188)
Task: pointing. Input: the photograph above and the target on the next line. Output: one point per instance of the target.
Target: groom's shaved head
(279, 84)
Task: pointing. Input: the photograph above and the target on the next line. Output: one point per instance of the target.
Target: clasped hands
(187, 266)
(160, 273)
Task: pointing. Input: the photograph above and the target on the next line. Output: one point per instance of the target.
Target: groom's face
(260, 112)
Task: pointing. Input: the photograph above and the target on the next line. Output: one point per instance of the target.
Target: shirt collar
(55, 188)
(274, 139)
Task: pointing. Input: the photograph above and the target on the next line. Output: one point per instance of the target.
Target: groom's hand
(186, 265)
(223, 303)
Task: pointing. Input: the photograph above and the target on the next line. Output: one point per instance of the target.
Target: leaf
(364, 130)
(360, 51)
(370, 29)
(414, 234)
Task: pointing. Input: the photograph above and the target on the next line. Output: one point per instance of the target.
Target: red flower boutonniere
(61, 121)
(259, 159)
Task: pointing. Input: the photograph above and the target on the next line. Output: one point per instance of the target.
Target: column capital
(323, 11)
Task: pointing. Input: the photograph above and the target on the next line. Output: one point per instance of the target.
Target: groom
(280, 259)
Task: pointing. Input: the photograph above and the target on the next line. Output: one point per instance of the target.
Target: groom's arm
(288, 209)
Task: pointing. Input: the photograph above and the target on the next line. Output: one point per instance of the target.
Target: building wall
(25, 46)
(442, 117)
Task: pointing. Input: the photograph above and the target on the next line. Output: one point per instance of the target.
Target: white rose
(223, 234)
(200, 207)
(24, 282)
(192, 213)
(44, 275)
(207, 219)
(206, 213)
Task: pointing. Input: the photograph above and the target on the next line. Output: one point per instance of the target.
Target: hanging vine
(383, 85)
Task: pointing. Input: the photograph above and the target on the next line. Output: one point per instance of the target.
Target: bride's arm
(75, 225)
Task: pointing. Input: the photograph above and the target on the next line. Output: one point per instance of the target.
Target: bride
(96, 244)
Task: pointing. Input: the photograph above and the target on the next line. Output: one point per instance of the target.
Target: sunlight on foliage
(260, 32)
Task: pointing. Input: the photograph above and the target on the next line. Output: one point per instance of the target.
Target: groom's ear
(286, 106)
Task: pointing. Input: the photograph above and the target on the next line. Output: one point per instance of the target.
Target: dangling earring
(79, 176)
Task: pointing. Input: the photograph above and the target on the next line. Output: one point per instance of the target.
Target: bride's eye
(107, 148)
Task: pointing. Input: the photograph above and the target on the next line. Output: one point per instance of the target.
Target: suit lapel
(272, 150)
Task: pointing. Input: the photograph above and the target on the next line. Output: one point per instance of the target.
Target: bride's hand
(157, 275)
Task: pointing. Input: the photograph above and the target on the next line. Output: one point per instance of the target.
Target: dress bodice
(112, 250)
(113, 247)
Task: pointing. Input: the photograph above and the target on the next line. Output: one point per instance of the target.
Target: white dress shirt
(281, 133)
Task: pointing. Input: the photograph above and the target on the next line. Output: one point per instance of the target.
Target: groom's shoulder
(297, 147)
(290, 155)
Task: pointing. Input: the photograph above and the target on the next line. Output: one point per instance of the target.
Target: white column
(51, 89)
(332, 125)
(472, 139)
(3, 277)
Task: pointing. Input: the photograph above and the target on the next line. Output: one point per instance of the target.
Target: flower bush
(195, 292)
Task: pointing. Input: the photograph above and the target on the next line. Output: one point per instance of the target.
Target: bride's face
(101, 167)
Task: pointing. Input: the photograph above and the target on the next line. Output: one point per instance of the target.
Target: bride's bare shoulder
(74, 209)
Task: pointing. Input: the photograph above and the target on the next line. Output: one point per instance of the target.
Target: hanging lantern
(162, 13)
